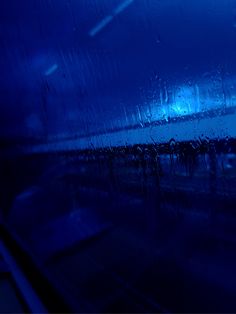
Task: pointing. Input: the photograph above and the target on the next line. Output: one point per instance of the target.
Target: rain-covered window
(118, 156)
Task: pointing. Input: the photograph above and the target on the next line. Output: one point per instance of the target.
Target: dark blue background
(101, 79)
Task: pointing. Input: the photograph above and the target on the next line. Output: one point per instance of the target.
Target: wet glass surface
(118, 152)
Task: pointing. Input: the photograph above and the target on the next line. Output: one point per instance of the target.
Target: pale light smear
(123, 6)
(107, 20)
(51, 70)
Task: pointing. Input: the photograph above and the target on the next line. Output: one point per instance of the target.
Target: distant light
(51, 70)
(107, 20)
